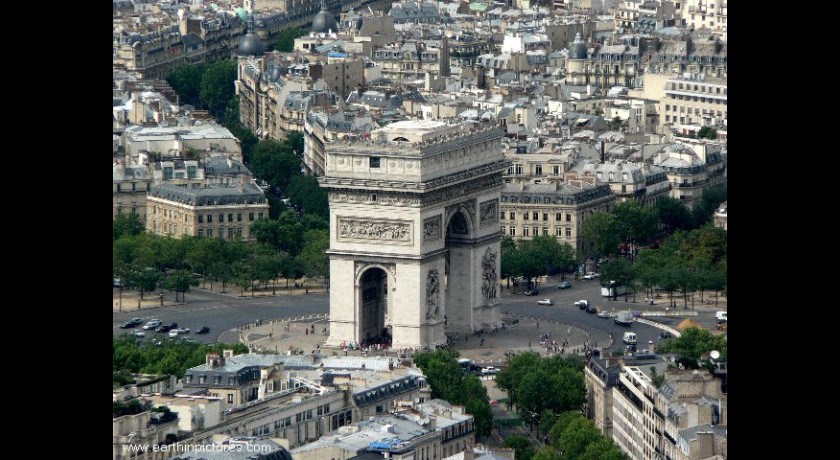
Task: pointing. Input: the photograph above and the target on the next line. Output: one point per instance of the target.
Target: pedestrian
(270, 334)
(307, 331)
(569, 331)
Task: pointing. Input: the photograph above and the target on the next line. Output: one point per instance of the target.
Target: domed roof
(577, 49)
(275, 73)
(323, 22)
(251, 45)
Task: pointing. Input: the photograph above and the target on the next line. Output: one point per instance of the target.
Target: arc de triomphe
(414, 232)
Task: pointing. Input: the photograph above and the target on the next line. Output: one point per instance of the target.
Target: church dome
(251, 45)
(323, 22)
(577, 49)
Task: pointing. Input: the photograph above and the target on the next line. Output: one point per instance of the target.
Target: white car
(604, 314)
(173, 333)
(137, 333)
(545, 302)
(152, 324)
(590, 276)
(489, 370)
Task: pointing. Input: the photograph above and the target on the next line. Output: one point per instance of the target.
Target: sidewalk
(283, 336)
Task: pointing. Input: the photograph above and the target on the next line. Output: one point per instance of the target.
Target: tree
(577, 436)
(603, 449)
(142, 278)
(266, 231)
(695, 342)
(546, 453)
(615, 273)
(290, 232)
(706, 132)
(602, 230)
(216, 88)
(180, 281)
(275, 163)
(709, 202)
(637, 224)
(543, 255)
(286, 39)
(127, 225)
(511, 262)
(673, 215)
(186, 81)
(313, 256)
(305, 193)
(523, 450)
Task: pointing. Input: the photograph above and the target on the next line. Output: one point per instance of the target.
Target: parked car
(564, 285)
(152, 324)
(173, 333)
(631, 347)
(138, 333)
(545, 302)
(591, 309)
(489, 370)
(127, 325)
(163, 328)
(203, 330)
(182, 330)
(582, 304)
(604, 314)
(532, 292)
(590, 276)
(665, 335)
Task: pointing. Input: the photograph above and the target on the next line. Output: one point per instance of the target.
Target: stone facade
(411, 254)
(226, 212)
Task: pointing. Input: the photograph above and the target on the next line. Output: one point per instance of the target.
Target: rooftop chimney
(214, 360)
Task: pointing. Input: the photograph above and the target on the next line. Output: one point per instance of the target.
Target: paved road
(222, 312)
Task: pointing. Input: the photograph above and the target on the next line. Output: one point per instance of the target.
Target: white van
(630, 338)
(721, 315)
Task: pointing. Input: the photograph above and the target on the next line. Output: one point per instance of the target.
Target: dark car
(631, 347)
(591, 309)
(532, 292)
(132, 323)
(203, 330)
(564, 285)
(164, 328)
(665, 335)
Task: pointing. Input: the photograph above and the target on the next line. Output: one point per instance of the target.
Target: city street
(222, 312)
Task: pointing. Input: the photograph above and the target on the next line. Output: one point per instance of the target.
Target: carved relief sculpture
(432, 290)
(489, 277)
(489, 212)
(431, 228)
(367, 230)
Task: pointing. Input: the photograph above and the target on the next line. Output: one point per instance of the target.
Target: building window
(230, 217)
(503, 229)
(239, 217)
(502, 215)
(221, 218)
(221, 233)
(558, 217)
(191, 172)
(239, 232)
(251, 216)
(517, 170)
(134, 186)
(374, 162)
(200, 232)
(555, 170)
(512, 215)
(230, 233)
(545, 231)
(536, 231)
(568, 217)
(558, 232)
(209, 218)
(525, 231)
(259, 215)
(512, 231)
(119, 187)
(200, 219)
(536, 215)
(525, 215)
(538, 170)
(568, 233)
(545, 217)
(201, 379)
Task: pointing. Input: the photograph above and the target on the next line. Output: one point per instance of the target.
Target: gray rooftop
(211, 195)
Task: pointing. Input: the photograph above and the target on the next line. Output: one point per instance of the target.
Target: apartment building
(223, 211)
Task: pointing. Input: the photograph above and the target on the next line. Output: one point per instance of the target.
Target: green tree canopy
(127, 225)
(673, 215)
(286, 39)
(217, 88)
(695, 342)
(313, 256)
(275, 163)
(305, 193)
(186, 81)
(523, 450)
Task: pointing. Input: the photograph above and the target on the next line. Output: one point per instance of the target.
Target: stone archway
(373, 306)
